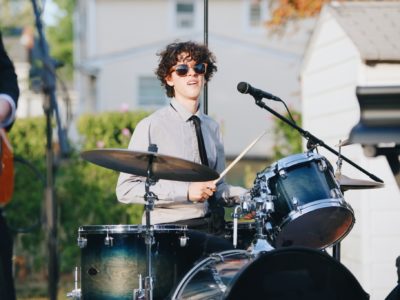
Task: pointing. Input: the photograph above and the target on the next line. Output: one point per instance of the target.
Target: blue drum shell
(112, 271)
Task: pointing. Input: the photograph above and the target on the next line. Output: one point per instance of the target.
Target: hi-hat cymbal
(347, 183)
(163, 166)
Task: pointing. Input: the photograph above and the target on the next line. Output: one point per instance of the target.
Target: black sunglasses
(183, 69)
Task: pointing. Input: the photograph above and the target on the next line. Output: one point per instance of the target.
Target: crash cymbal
(163, 166)
(347, 183)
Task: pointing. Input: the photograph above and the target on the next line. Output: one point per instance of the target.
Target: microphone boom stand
(314, 140)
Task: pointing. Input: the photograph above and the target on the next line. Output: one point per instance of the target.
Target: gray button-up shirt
(170, 129)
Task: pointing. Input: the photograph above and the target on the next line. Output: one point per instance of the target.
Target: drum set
(298, 210)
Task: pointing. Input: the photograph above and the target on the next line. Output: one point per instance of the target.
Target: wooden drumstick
(232, 164)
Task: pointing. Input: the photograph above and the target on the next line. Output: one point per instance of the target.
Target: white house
(117, 41)
(357, 44)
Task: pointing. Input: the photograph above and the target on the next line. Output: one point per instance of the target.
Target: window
(255, 14)
(150, 92)
(185, 14)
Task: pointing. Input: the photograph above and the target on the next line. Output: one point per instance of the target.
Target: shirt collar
(183, 113)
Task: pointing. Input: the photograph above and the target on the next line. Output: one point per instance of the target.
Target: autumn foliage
(286, 10)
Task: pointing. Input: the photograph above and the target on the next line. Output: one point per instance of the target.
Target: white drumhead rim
(123, 228)
(312, 206)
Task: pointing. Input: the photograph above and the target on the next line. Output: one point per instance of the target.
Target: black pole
(50, 107)
(205, 89)
(336, 251)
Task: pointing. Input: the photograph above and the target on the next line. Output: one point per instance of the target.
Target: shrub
(84, 192)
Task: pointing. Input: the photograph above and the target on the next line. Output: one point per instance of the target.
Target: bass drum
(210, 278)
(282, 274)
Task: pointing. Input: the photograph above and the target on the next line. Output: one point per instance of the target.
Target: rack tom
(308, 205)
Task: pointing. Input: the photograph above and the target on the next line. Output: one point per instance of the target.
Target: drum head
(317, 225)
(295, 273)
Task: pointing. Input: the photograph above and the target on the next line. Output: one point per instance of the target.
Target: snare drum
(309, 208)
(113, 256)
(284, 274)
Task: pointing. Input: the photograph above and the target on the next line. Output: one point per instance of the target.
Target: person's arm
(9, 91)
(229, 193)
(131, 188)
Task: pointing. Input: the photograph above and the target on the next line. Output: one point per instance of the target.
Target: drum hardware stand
(108, 240)
(235, 224)
(184, 238)
(312, 139)
(336, 251)
(139, 293)
(339, 163)
(263, 206)
(76, 292)
(261, 243)
(82, 241)
(149, 198)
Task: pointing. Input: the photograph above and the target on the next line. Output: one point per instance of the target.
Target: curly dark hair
(170, 56)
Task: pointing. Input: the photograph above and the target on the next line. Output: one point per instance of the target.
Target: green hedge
(85, 192)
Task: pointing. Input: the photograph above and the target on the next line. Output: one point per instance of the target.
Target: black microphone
(246, 88)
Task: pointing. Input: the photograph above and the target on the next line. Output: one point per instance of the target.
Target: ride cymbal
(163, 166)
(347, 183)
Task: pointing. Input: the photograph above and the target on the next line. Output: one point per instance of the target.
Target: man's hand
(201, 191)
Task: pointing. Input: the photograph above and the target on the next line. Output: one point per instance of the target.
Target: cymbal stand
(336, 247)
(149, 197)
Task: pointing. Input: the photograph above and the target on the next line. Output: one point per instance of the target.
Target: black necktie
(217, 221)
(200, 140)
